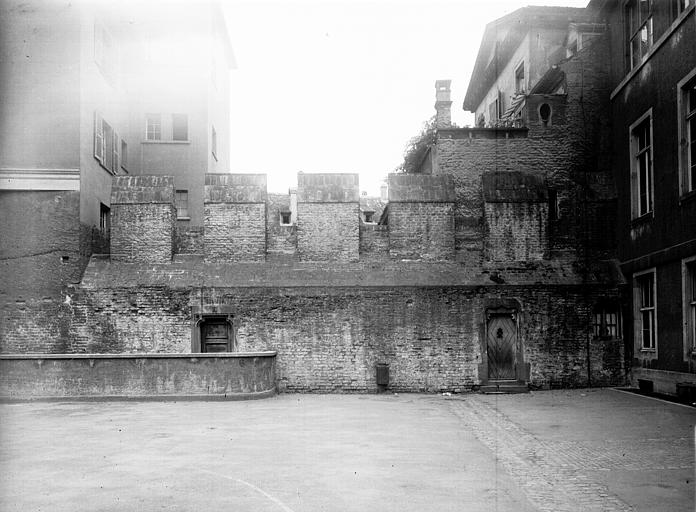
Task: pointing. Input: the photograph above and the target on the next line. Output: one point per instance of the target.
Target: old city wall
(142, 218)
(328, 214)
(329, 338)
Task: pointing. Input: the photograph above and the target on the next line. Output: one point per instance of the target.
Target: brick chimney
(443, 104)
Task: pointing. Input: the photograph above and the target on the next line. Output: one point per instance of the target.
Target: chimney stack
(443, 104)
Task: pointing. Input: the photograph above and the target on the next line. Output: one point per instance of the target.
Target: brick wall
(188, 239)
(235, 217)
(142, 218)
(281, 240)
(516, 231)
(328, 216)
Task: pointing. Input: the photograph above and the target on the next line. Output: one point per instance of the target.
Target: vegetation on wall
(417, 147)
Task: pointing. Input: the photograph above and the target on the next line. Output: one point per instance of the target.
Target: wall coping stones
(514, 187)
(482, 133)
(144, 355)
(142, 190)
(421, 188)
(328, 188)
(235, 188)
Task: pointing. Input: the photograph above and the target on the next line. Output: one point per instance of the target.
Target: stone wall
(235, 217)
(142, 218)
(374, 241)
(421, 217)
(328, 216)
(331, 338)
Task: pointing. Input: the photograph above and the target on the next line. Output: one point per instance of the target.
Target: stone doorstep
(504, 387)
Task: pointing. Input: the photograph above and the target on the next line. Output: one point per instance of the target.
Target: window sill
(648, 350)
(166, 142)
(183, 218)
(105, 168)
(643, 219)
(688, 197)
(656, 46)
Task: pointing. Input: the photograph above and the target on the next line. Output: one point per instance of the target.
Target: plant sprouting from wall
(417, 147)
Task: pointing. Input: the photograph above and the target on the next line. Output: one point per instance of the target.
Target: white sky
(341, 85)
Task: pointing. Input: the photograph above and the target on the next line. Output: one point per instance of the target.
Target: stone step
(504, 388)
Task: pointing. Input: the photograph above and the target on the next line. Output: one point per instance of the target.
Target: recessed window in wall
(519, 78)
(553, 205)
(179, 127)
(607, 321)
(687, 132)
(124, 155)
(213, 142)
(285, 218)
(104, 218)
(641, 167)
(369, 216)
(689, 274)
(639, 30)
(106, 144)
(106, 53)
(545, 114)
(645, 310)
(182, 204)
(153, 127)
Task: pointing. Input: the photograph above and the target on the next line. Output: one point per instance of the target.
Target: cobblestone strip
(547, 484)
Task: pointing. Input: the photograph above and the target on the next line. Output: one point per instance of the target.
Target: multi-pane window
(179, 127)
(182, 211)
(690, 303)
(106, 53)
(107, 145)
(645, 309)
(679, 6)
(153, 127)
(639, 26)
(607, 322)
(285, 218)
(642, 167)
(687, 133)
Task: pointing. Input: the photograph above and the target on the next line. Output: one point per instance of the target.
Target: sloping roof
(503, 36)
(550, 82)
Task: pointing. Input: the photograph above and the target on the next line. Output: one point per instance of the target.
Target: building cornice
(39, 179)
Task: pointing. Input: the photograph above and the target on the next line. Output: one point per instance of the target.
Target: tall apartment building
(653, 111)
(90, 90)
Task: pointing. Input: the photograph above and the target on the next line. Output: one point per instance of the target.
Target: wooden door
(502, 343)
(215, 336)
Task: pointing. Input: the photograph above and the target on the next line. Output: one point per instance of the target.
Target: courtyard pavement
(579, 450)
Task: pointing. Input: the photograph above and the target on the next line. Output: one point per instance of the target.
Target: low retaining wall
(663, 381)
(138, 376)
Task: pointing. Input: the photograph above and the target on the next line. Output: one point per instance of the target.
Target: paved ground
(555, 450)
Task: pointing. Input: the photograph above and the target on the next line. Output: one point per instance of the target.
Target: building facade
(90, 91)
(653, 109)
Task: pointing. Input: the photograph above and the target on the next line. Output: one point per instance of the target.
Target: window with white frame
(107, 145)
(645, 310)
(182, 211)
(153, 127)
(179, 127)
(642, 189)
(639, 29)
(689, 276)
(124, 155)
(686, 102)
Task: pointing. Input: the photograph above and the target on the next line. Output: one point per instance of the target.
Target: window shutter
(116, 160)
(98, 138)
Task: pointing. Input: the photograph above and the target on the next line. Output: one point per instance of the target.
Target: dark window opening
(104, 218)
(369, 216)
(553, 205)
(545, 113)
(607, 321)
(285, 218)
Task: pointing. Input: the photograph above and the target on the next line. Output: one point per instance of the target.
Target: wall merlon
(235, 188)
(421, 188)
(142, 190)
(328, 188)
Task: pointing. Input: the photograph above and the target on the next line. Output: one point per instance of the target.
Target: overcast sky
(341, 85)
